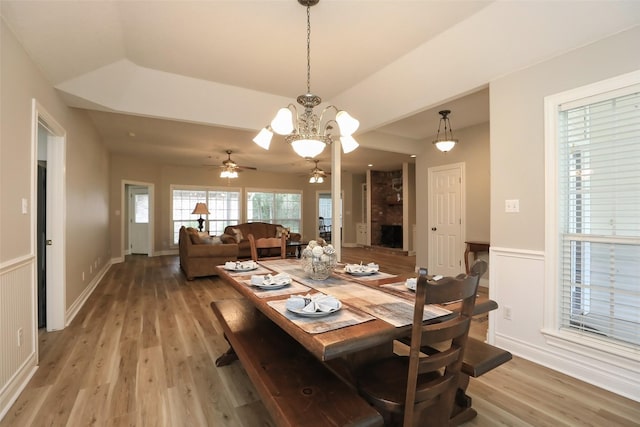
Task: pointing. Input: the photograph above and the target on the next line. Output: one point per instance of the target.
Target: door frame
(463, 208)
(55, 215)
(124, 214)
(333, 222)
(131, 190)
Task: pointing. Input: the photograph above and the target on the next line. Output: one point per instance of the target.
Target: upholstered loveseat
(199, 257)
(240, 234)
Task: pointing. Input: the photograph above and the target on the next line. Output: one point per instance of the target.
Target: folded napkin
(314, 303)
(360, 268)
(240, 265)
(268, 279)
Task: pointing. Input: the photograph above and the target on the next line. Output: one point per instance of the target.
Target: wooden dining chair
(264, 248)
(420, 389)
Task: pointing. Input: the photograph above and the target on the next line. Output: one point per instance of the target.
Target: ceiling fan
(317, 175)
(230, 168)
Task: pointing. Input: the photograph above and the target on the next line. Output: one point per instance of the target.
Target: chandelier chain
(308, 48)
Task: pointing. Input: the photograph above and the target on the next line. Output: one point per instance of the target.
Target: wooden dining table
(376, 310)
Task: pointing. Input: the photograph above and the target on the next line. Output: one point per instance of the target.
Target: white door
(139, 220)
(446, 219)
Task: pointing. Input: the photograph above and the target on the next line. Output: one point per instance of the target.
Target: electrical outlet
(90, 268)
(512, 206)
(20, 337)
(507, 312)
(83, 276)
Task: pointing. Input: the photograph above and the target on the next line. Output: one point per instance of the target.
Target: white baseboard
(82, 298)
(10, 393)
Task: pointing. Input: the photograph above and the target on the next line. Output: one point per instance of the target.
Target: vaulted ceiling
(183, 81)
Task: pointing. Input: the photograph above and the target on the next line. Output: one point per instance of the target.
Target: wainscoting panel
(518, 286)
(17, 328)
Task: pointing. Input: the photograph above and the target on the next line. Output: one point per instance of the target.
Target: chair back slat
(260, 245)
(443, 366)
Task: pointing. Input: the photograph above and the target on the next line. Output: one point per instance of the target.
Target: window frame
(275, 191)
(575, 341)
(207, 190)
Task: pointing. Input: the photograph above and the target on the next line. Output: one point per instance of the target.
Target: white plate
(362, 273)
(315, 313)
(272, 285)
(243, 268)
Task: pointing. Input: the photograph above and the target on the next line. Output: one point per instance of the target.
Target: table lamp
(201, 208)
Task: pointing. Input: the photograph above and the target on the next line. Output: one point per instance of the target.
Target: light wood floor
(141, 353)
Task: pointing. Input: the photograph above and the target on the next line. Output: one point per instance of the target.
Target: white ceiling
(192, 79)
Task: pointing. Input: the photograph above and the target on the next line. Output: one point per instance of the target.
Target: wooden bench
(296, 388)
(480, 357)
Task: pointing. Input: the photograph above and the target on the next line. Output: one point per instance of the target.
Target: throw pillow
(282, 230)
(193, 235)
(238, 233)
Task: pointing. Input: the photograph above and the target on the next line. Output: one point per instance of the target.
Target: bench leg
(228, 357)
(462, 410)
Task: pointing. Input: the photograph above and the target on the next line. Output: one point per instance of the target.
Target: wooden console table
(475, 247)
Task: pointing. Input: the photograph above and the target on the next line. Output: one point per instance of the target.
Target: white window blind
(599, 207)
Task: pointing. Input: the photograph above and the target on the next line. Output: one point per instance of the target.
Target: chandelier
(446, 143)
(309, 133)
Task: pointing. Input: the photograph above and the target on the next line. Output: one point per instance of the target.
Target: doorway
(138, 199)
(49, 145)
(324, 216)
(446, 218)
(131, 235)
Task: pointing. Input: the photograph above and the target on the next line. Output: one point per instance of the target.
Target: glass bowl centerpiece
(318, 259)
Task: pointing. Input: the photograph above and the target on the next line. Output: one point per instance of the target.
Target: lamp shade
(348, 144)
(282, 124)
(348, 125)
(263, 139)
(308, 147)
(445, 146)
(201, 209)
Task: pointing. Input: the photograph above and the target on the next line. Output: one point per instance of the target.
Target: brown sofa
(199, 257)
(259, 230)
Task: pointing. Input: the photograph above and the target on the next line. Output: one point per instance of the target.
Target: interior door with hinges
(446, 207)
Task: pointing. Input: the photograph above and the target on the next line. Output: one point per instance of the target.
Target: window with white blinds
(598, 175)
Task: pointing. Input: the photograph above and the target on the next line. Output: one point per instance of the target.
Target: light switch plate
(25, 206)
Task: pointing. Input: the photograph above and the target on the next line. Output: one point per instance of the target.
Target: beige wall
(85, 175)
(131, 169)
(86, 221)
(518, 258)
(473, 151)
